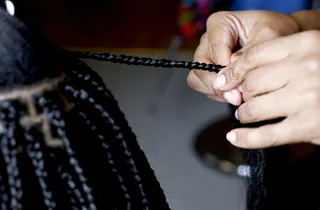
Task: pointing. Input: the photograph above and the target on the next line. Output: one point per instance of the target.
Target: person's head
(64, 143)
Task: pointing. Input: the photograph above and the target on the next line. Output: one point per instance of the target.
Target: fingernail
(240, 88)
(230, 97)
(219, 82)
(236, 115)
(231, 136)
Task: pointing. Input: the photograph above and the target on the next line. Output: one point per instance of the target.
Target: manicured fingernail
(231, 136)
(236, 115)
(240, 88)
(219, 82)
(230, 97)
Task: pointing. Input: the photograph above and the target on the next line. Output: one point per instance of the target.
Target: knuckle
(250, 54)
(313, 63)
(212, 18)
(233, 73)
(312, 34)
(269, 135)
(270, 31)
(248, 85)
(313, 97)
(236, 71)
(310, 38)
(249, 111)
(248, 58)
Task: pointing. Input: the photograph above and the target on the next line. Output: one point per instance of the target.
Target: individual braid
(109, 155)
(143, 61)
(73, 193)
(36, 155)
(83, 99)
(3, 189)
(100, 165)
(66, 143)
(9, 151)
(51, 107)
(88, 82)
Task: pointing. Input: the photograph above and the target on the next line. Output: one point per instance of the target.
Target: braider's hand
(280, 79)
(226, 30)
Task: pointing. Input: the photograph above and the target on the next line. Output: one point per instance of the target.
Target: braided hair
(64, 142)
(274, 181)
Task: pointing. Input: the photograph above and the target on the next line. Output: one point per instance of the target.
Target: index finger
(258, 55)
(221, 44)
(222, 38)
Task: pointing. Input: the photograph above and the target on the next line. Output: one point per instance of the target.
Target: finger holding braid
(274, 86)
(65, 144)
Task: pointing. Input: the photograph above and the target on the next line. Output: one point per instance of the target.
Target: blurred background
(181, 131)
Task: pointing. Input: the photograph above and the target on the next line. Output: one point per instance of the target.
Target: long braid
(54, 114)
(4, 187)
(4, 197)
(66, 170)
(3, 194)
(71, 191)
(9, 152)
(59, 123)
(36, 155)
(93, 83)
(99, 133)
(82, 98)
(109, 155)
(85, 157)
(100, 165)
(143, 61)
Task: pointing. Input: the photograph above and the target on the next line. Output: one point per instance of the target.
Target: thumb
(220, 54)
(222, 40)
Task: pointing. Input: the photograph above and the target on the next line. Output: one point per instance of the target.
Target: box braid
(65, 144)
(142, 61)
(274, 182)
(138, 188)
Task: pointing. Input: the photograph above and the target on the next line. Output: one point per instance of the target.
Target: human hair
(277, 181)
(64, 142)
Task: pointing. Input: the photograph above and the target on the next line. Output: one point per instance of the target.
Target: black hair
(276, 182)
(65, 144)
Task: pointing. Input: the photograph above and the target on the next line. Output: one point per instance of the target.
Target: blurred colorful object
(194, 13)
(192, 17)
